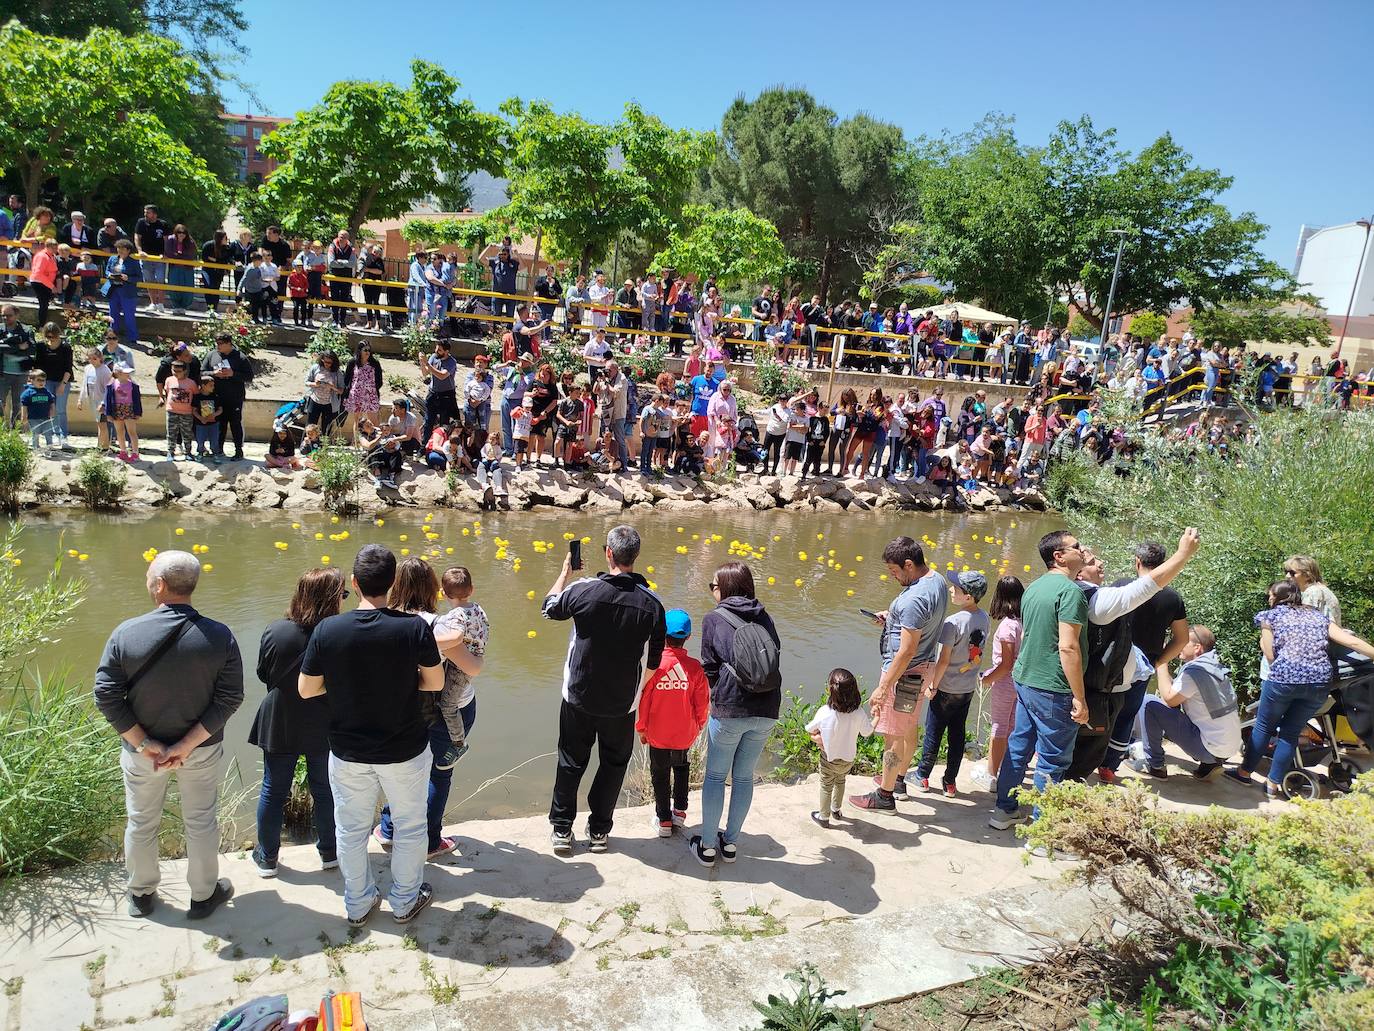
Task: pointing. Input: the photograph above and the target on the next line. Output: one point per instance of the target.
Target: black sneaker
(266, 867)
(898, 787)
(705, 856)
(1143, 767)
(421, 902)
(819, 817)
(359, 921)
(1240, 776)
(597, 842)
(451, 756)
(142, 905)
(1205, 770)
(224, 891)
(877, 800)
(728, 852)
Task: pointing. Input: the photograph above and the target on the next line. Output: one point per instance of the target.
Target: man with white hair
(168, 681)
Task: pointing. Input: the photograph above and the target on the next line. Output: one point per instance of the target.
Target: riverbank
(156, 482)
(513, 927)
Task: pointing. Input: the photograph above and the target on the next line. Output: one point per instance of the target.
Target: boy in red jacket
(672, 711)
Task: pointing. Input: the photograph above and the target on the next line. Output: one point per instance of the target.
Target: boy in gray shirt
(955, 678)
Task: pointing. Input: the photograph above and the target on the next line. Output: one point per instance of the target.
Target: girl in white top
(96, 378)
(836, 729)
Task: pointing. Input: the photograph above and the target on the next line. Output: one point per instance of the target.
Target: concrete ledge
(873, 959)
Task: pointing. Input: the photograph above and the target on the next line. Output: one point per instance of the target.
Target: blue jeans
(1284, 710)
(1209, 386)
(278, 771)
(62, 391)
(356, 786)
(1159, 720)
(734, 745)
(440, 781)
(507, 441)
(1045, 728)
(945, 712)
(207, 437)
(124, 307)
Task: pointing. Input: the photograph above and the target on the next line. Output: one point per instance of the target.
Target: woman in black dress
(288, 726)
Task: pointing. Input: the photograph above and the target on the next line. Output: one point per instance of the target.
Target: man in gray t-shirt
(908, 645)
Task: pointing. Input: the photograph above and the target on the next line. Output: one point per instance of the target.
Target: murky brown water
(814, 604)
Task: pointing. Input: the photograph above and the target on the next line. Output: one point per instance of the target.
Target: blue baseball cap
(679, 623)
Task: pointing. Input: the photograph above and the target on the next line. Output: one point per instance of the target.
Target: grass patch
(441, 989)
(627, 911)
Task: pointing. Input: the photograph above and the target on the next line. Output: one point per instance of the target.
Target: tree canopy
(733, 244)
(112, 113)
(791, 160)
(1237, 322)
(587, 184)
(373, 149)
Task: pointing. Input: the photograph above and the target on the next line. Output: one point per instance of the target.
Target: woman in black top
(742, 716)
(54, 357)
(218, 251)
(288, 726)
(373, 267)
(544, 391)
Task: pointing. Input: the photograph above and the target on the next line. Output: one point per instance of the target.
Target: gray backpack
(755, 657)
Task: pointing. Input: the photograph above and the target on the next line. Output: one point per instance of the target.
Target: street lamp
(1359, 270)
(1111, 293)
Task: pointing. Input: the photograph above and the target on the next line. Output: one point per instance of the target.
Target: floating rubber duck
(179, 531)
(209, 567)
(324, 560)
(531, 634)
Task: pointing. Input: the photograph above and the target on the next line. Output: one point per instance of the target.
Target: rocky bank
(249, 485)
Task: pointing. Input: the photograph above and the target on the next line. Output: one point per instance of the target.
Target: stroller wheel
(1341, 774)
(1300, 783)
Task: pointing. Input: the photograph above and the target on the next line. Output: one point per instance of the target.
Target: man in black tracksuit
(614, 614)
(232, 375)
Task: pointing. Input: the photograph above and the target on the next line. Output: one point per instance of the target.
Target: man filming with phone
(909, 643)
(614, 615)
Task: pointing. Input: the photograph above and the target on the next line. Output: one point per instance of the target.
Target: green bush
(772, 379)
(809, 1008)
(330, 339)
(100, 479)
(417, 338)
(59, 778)
(1148, 326)
(1301, 485)
(341, 470)
(16, 466)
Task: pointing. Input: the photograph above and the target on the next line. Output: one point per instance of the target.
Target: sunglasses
(345, 594)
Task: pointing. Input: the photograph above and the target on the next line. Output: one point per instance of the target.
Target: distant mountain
(488, 192)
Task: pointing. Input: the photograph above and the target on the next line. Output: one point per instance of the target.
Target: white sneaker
(1059, 854)
(981, 778)
(1136, 750)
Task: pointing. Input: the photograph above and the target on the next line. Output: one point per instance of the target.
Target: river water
(813, 600)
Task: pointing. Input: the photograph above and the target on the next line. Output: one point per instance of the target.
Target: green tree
(819, 180)
(1148, 325)
(565, 181)
(734, 244)
(105, 110)
(1262, 323)
(1182, 244)
(199, 25)
(373, 149)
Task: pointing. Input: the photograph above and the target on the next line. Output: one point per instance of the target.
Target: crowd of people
(380, 699)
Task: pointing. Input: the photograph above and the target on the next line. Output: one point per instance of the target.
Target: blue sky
(1278, 95)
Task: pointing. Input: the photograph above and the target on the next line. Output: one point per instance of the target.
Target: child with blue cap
(672, 711)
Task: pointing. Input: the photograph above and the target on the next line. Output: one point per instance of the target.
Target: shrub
(809, 1008)
(1148, 326)
(795, 754)
(330, 339)
(100, 479)
(398, 383)
(417, 338)
(644, 365)
(238, 323)
(85, 330)
(59, 777)
(1302, 484)
(772, 379)
(341, 470)
(16, 466)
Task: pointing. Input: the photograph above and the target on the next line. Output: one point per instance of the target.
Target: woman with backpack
(740, 652)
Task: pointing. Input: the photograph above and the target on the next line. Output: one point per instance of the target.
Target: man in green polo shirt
(1048, 675)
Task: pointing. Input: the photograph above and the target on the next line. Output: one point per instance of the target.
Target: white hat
(124, 367)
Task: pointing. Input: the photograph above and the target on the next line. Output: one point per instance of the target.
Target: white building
(1329, 260)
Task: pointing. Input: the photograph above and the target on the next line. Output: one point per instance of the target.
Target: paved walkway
(509, 917)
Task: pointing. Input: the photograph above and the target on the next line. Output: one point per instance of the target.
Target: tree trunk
(827, 268)
(33, 181)
(584, 263)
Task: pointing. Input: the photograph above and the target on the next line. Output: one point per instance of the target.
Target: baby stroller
(472, 328)
(1347, 713)
(292, 416)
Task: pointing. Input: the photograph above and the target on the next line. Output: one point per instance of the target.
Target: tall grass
(61, 791)
(1304, 484)
(101, 480)
(341, 470)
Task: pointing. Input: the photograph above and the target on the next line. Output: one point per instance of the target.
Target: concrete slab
(511, 919)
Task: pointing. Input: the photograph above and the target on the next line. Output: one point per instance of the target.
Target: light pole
(1359, 270)
(1111, 293)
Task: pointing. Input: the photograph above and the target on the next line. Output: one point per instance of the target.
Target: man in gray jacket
(168, 682)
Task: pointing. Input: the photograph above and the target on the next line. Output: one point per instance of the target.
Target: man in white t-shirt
(1197, 711)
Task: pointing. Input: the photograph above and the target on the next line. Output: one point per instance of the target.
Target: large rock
(680, 505)
(983, 499)
(599, 502)
(1031, 498)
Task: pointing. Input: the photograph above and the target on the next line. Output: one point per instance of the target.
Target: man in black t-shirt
(150, 237)
(371, 665)
(1161, 617)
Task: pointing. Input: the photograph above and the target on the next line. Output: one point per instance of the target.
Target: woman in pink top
(1006, 643)
(43, 277)
(720, 415)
